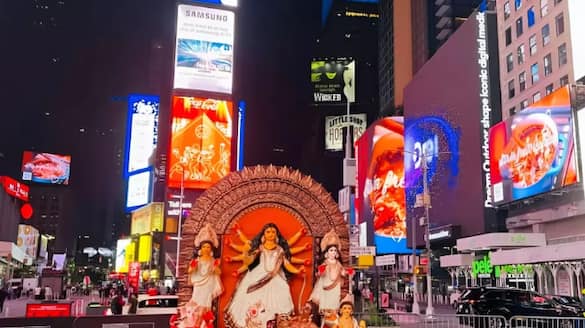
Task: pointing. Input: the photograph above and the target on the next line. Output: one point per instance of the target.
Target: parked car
(157, 304)
(510, 302)
(570, 301)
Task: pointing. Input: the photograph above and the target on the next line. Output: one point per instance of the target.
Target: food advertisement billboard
(447, 125)
(201, 142)
(141, 132)
(204, 49)
(380, 197)
(334, 126)
(45, 168)
(28, 240)
(533, 152)
(333, 80)
(121, 263)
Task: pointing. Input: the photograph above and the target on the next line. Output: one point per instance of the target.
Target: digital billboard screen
(121, 263)
(45, 168)
(204, 49)
(139, 191)
(533, 152)
(380, 198)
(448, 113)
(201, 141)
(141, 132)
(28, 240)
(333, 80)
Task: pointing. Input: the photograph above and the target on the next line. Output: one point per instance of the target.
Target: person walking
(3, 296)
(133, 301)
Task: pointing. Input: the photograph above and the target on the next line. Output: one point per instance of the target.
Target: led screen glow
(45, 168)
(139, 187)
(201, 142)
(142, 132)
(121, 263)
(28, 240)
(533, 151)
(204, 49)
(380, 197)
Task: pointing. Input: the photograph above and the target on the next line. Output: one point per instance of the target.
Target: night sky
(64, 84)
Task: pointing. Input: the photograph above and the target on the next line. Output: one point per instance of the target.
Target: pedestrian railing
(410, 320)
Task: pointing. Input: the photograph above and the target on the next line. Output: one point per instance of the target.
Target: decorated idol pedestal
(265, 247)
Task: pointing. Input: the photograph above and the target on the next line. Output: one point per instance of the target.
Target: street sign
(362, 250)
(386, 260)
(421, 200)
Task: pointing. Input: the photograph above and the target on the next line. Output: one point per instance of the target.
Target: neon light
(241, 126)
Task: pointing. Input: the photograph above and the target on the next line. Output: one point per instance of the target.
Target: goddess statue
(264, 292)
(204, 274)
(327, 290)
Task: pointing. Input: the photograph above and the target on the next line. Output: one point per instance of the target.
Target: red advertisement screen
(201, 141)
(533, 152)
(45, 168)
(134, 275)
(44, 310)
(380, 197)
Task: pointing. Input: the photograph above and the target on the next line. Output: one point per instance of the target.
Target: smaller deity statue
(327, 290)
(343, 318)
(204, 275)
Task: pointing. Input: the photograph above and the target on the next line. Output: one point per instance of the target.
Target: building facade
(535, 49)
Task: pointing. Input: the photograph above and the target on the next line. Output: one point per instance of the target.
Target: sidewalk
(400, 306)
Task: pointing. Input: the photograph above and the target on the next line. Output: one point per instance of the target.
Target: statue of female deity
(264, 292)
(327, 290)
(204, 275)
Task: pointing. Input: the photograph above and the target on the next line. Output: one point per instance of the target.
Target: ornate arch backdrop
(253, 197)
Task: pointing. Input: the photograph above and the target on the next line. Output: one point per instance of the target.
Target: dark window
(524, 104)
(508, 36)
(522, 81)
(517, 4)
(532, 44)
(549, 89)
(531, 17)
(510, 62)
(512, 111)
(560, 24)
(521, 54)
(511, 89)
(557, 1)
(564, 80)
(519, 30)
(507, 9)
(536, 97)
(545, 35)
(547, 65)
(562, 54)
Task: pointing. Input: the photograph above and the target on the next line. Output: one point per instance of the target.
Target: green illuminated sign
(485, 267)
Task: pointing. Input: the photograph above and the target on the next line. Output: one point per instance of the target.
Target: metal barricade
(547, 322)
(457, 321)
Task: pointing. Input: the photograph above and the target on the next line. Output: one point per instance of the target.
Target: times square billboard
(201, 142)
(204, 53)
(533, 152)
(380, 202)
(449, 107)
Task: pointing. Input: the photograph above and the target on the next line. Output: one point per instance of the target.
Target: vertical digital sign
(204, 49)
(201, 142)
(380, 197)
(141, 144)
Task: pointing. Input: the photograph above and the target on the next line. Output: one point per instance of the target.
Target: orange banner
(201, 142)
